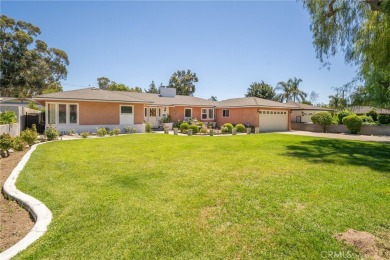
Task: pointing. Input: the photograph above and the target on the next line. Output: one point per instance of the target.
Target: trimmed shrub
(203, 129)
(199, 123)
(101, 132)
(19, 144)
(323, 119)
(7, 117)
(116, 131)
(127, 130)
(342, 114)
(6, 143)
(195, 129)
(373, 114)
(366, 119)
(148, 127)
(240, 128)
(51, 133)
(183, 127)
(85, 134)
(353, 123)
(229, 127)
(177, 124)
(29, 135)
(224, 130)
(384, 119)
(134, 130)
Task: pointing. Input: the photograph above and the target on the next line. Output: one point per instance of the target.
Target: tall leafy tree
(103, 82)
(28, 66)
(152, 88)
(361, 30)
(184, 82)
(261, 90)
(107, 84)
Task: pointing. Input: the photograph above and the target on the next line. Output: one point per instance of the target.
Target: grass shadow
(373, 155)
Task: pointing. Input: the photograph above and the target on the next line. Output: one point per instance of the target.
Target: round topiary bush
(229, 126)
(353, 123)
(195, 129)
(240, 128)
(342, 114)
(224, 130)
(183, 127)
(323, 119)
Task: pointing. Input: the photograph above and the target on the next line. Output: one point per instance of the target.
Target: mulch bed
(15, 222)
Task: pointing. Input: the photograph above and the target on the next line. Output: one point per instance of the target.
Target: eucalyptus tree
(261, 90)
(28, 65)
(152, 88)
(184, 82)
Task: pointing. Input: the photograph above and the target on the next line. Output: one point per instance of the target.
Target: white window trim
(132, 109)
(225, 110)
(207, 113)
(57, 113)
(186, 117)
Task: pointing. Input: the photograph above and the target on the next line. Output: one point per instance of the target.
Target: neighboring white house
(302, 113)
(19, 106)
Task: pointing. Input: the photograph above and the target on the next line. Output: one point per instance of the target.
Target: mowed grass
(161, 196)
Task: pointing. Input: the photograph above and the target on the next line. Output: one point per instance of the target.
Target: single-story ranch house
(90, 108)
(302, 113)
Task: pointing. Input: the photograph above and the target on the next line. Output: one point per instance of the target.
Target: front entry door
(153, 116)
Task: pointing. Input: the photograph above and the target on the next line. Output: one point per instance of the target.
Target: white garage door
(273, 120)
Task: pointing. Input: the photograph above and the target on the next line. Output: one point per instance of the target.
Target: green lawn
(163, 196)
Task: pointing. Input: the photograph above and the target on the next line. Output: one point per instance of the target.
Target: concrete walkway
(367, 138)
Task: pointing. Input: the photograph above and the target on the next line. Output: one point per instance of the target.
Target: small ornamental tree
(353, 123)
(323, 119)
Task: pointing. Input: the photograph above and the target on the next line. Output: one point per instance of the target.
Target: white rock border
(39, 211)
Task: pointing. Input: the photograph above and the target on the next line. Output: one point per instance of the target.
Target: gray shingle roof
(172, 101)
(252, 102)
(92, 94)
(360, 110)
(300, 106)
(96, 94)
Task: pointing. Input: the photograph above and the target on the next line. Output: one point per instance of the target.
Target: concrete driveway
(367, 138)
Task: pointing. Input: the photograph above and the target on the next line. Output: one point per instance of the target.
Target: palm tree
(296, 93)
(337, 102)
(290, 91)
(286, 92)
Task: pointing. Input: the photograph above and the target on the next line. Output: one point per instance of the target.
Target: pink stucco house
(90, 108)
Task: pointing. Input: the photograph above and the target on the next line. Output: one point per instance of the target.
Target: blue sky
(228, 44)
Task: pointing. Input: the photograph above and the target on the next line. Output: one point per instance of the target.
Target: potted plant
(167, 122)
